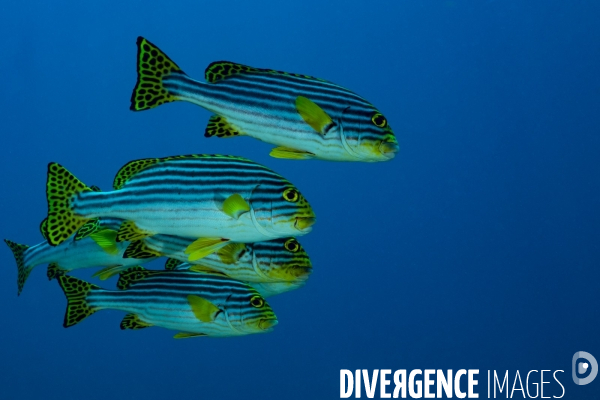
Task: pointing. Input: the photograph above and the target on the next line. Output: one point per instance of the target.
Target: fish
(193, 303)
(213, 199)
(305, 117)
(96, 247)
(265, 289)
(278, 260)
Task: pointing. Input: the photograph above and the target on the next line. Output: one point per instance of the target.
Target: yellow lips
(304, 224)
(389, 149)
(265, 324)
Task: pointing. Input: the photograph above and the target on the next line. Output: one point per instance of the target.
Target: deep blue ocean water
(476, 247)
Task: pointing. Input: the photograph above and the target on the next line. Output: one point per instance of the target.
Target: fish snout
(389, 149)
(304, 224)
(267, 324)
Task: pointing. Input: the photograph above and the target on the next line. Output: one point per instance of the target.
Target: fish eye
(257, 301)
(291, 195)
(379, 120)
(292, 245)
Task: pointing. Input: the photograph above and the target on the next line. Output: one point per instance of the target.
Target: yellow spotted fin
(203, 247)
(219, 70)
(129, 232)
(152, 66)
(203, 309)
(132, 275)
(186, 335)
(54, 271)
(44, 229)
(235, 206)
(61, 187)
(171, 264)
(140, 250)
(133, 321)
(313, 115)
(76, 292)
(107, 240)
(88, 228)
(110, 271)
(290, 154)
(231, 253)
(23, 272)
(218, 126)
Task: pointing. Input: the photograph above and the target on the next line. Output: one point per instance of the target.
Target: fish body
(304, 116)
(98, 249)
(196, 304)
(265, 289)
(198, 196)
(278, 260)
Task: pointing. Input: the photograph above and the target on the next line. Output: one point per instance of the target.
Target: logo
(583, 367)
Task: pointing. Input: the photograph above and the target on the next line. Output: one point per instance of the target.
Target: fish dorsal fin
(203, 309)
(235, 206)
(132, 168)
(187, 335)
(219, 126)
(110, 271)
(220, 70)
(88, 228)
(44, 228)
(133, 321)
(139, 249)
(54, 271)
(106, 239)
(95, 188)
(313, 115)
(231, 253)
(202, 247)
(132, 275)
(129, 232)
(290, 154)
(171, 264)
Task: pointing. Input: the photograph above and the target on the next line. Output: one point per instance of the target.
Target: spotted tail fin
(76, 292)
(152, 66)
(22, 270)
(61, 187)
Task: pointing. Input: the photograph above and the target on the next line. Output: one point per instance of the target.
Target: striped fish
(279, 260)
(213, 199)
(97, 248)
(193, 303)
(265, 289)
(304, 117)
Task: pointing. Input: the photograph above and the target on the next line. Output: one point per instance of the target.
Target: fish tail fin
(61, 187)
(76, 292)
(152, 66)
(23, 271)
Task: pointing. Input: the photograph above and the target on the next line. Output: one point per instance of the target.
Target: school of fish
(226, 225)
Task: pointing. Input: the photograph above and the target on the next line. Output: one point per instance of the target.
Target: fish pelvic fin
(152, 66)
(23, 271)
(76, 292)
(61, 188)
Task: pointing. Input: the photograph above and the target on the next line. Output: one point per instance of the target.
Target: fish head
(279, 209)
(367, 135)
(256, 315)
(282, 260)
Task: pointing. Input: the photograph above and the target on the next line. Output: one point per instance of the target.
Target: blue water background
(477, 247)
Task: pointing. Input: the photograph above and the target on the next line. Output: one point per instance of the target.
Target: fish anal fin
(172, 263)
(290, 154)
(219, 126)
(133, 321)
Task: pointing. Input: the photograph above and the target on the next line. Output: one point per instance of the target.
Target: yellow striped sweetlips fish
(97, 248)
(304, 117)
(212, 199)
(193, 303)
(265, 289)
(278, 260)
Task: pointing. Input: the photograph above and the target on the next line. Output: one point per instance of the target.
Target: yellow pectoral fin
(203, 309)
(230, 254)
(203, 247)
(235, 206)
(107, 240)
(290, 154)
(186, 335)
(312, 114)
(107, 272)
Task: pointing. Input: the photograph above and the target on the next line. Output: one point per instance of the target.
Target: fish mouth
(267, 324)
(389, 149)
(304, 224)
